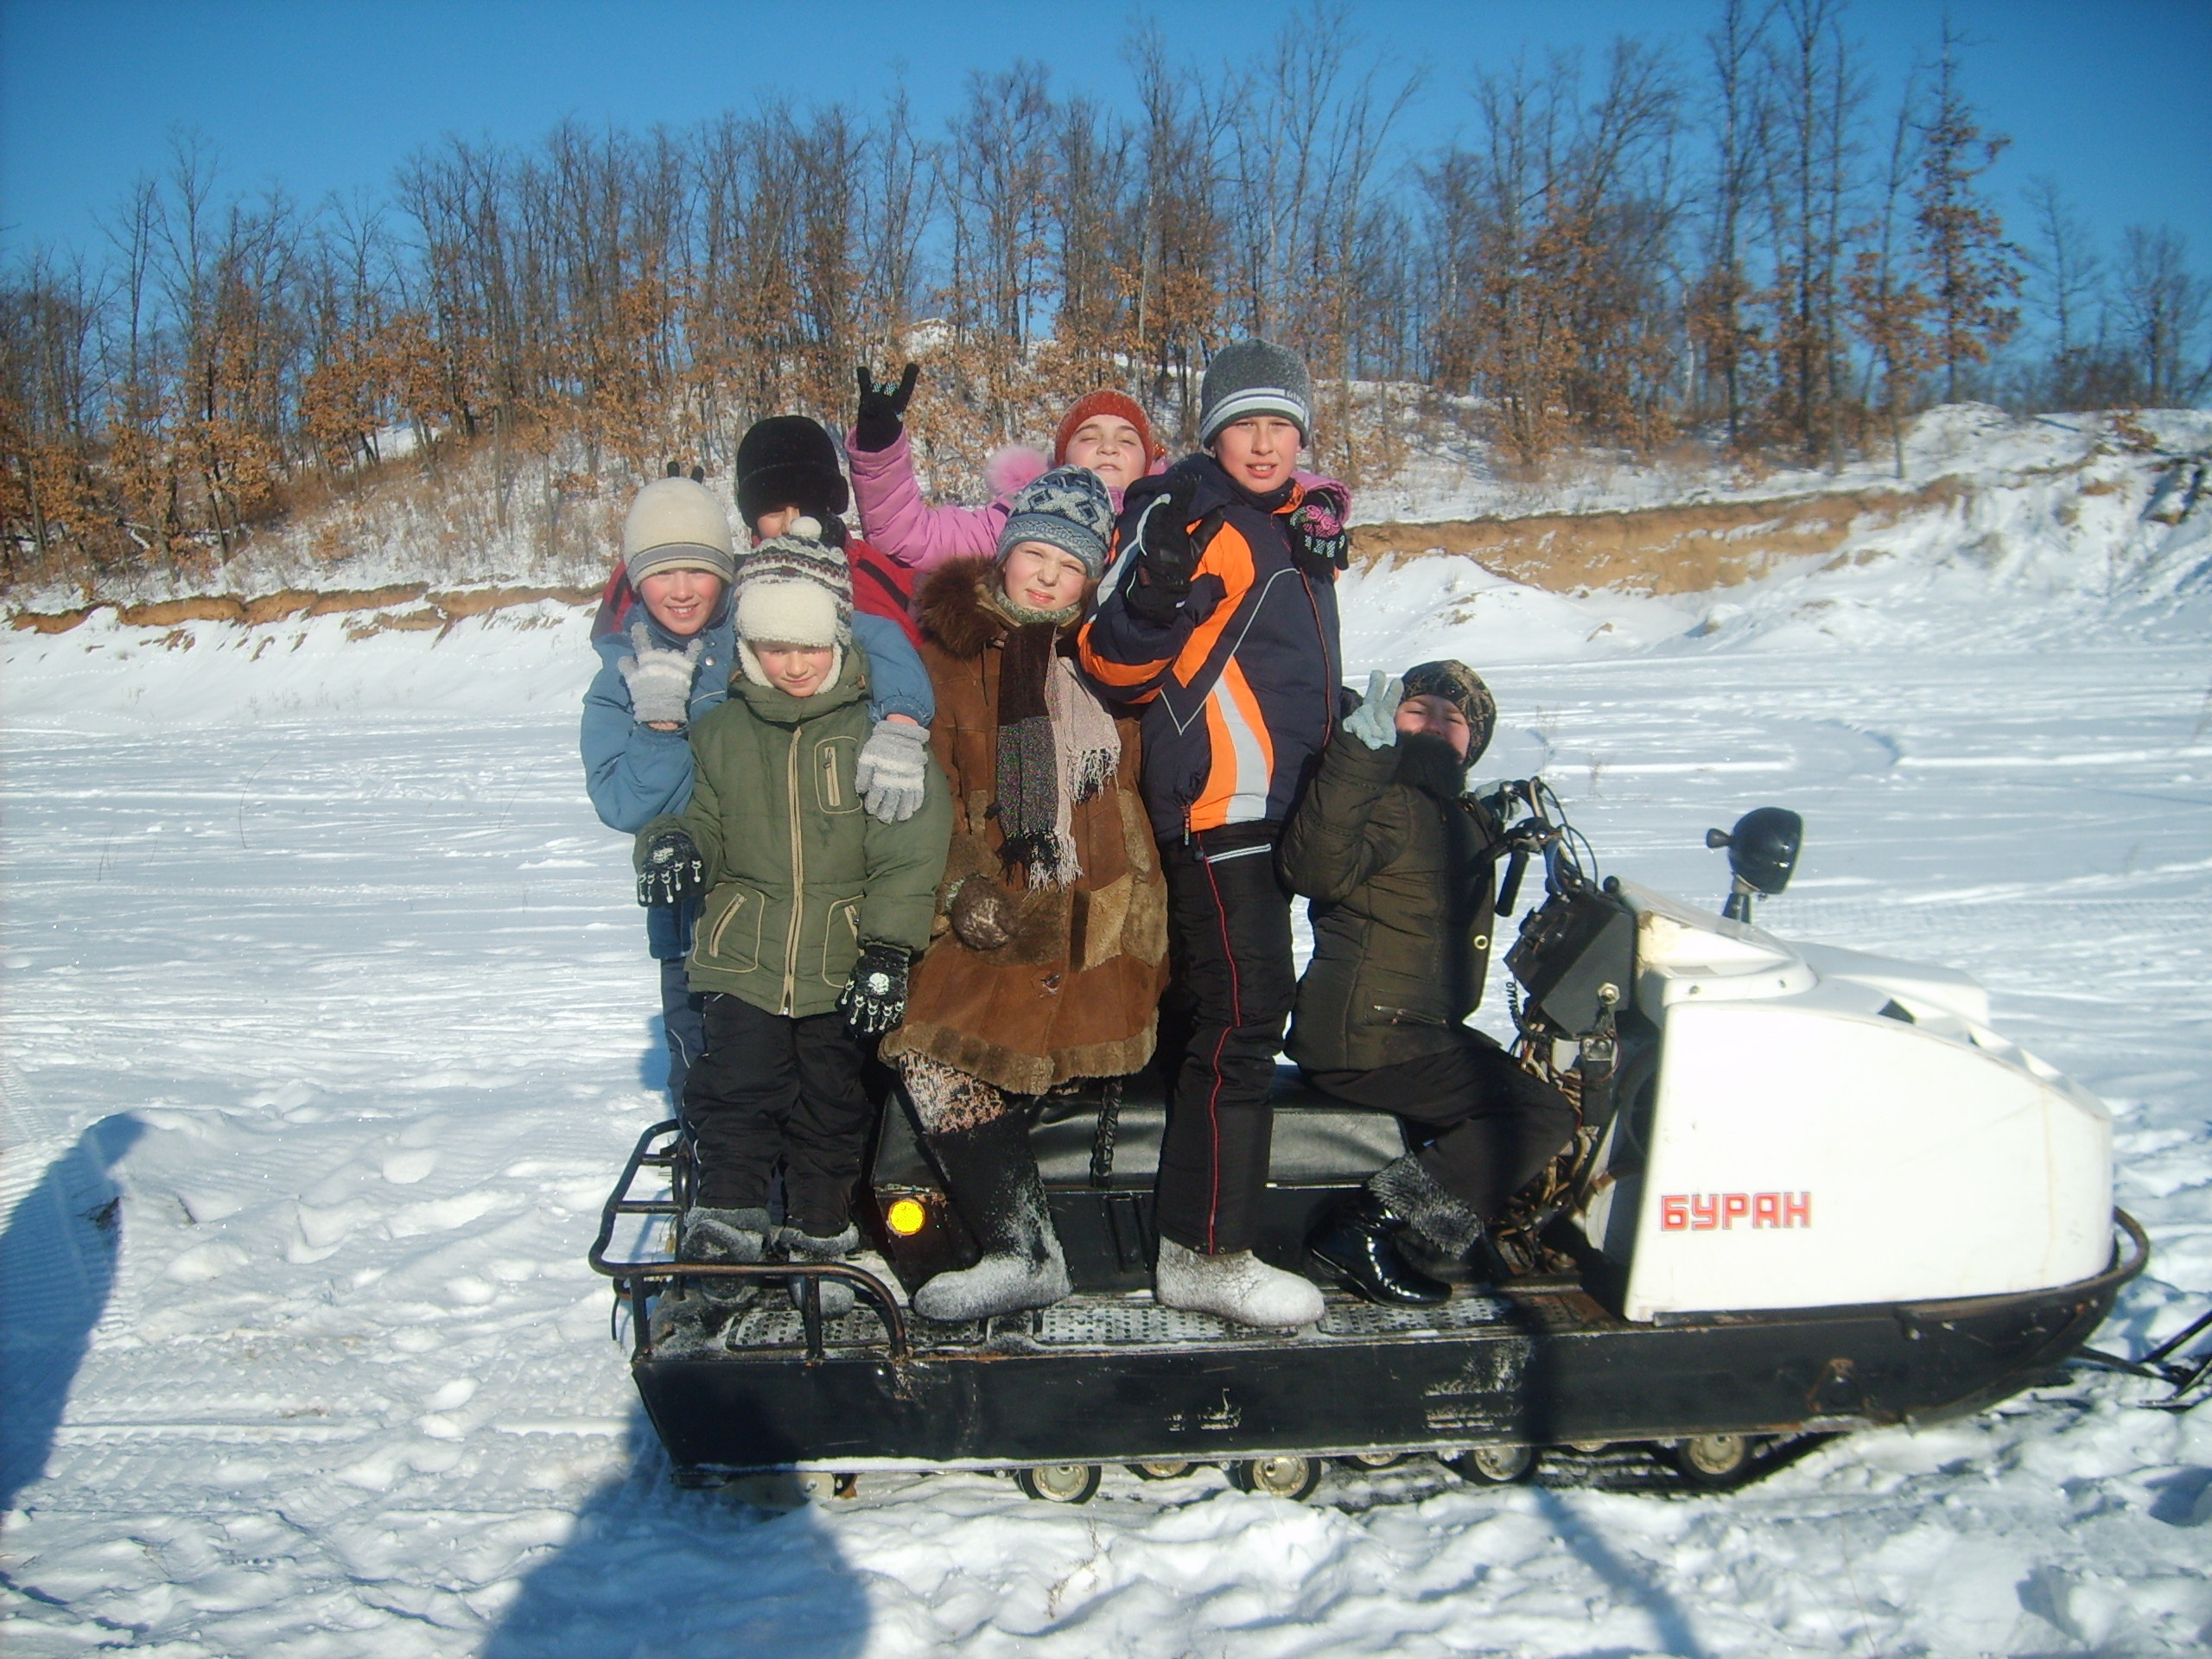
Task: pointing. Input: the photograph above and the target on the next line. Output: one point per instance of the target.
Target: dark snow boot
(837, 1296)
(1447, 1223)
(1359, 1239)
(685, 1322)
(710, 1235)
(992, 1178)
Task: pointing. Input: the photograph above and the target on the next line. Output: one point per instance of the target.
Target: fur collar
(950, 608)
(951, 611)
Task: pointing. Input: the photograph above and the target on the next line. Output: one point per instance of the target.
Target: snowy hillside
(328, 1023)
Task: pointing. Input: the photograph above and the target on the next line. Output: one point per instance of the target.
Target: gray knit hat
(795, 589)
(1456, 683)
(676, 523)
(1253, 378)
(1067, 508)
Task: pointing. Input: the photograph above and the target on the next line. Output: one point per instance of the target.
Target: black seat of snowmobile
(1318, 1149)
(1316, 1139)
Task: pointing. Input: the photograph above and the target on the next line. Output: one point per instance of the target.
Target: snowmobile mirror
(1761, 855)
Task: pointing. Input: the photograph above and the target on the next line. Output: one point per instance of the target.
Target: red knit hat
(1091, 404)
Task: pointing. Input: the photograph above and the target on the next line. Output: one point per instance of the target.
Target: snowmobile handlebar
(1541, 827)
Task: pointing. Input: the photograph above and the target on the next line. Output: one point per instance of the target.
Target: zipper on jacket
(833, 795)
(715, 939)
(798, 879)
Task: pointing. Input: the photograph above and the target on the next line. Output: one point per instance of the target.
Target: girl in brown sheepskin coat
(1054, 949)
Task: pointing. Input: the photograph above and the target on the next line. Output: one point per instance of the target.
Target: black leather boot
(1358, 1238)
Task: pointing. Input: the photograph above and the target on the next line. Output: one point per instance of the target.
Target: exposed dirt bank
(405, 606)
(1688, 548)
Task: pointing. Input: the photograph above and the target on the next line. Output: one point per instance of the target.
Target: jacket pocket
(729, 931)
(835, 758)
(841, 941)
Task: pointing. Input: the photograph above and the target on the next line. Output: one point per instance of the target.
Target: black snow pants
(1229, 941)
(1498, 1124)
(683, 1021)
(772, 1087)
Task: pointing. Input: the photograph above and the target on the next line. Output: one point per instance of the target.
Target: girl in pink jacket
(1105, 431)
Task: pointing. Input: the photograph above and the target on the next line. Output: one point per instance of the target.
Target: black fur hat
(788, 460)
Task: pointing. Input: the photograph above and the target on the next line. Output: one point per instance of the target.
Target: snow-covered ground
(328, 1022)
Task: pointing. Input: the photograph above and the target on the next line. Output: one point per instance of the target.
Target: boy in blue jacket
(667, 648)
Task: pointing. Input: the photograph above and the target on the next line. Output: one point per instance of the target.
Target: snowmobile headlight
(906, 1217)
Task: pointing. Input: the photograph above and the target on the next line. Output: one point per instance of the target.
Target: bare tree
(1721, 331)
(1816, 97)
(2162, 309)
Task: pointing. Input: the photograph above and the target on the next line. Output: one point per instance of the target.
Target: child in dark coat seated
(1399, 863)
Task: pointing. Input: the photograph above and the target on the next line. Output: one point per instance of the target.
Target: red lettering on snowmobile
(1701, 1212)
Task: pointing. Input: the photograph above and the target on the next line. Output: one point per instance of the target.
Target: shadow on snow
(655, 1570)
(57, 1269)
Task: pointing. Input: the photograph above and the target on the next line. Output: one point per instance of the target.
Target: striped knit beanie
(795, 589)
(676, 523)
(1067, 508)
(1253, 378)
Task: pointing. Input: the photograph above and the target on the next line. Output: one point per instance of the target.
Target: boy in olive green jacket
(814, 908)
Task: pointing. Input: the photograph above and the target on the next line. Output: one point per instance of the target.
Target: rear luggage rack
(636, 1283)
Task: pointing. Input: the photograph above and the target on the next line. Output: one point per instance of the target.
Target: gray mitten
(660, 681)
(1374, 722)
(891, 771)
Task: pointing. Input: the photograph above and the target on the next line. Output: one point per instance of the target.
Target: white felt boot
(1239, 1287)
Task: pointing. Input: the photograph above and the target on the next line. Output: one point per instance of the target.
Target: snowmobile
(1811, 1191)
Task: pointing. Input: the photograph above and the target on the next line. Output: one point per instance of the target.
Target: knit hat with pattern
(1253, 378)
(788, 460)
(1067, 508)
(676, 523)
(1090, 407)
(795, 589)
(1458, 684)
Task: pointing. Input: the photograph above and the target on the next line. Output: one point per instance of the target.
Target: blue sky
(2108, 96)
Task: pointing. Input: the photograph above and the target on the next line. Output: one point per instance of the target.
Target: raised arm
(895, 518)
(1341, 833)
(632, 772)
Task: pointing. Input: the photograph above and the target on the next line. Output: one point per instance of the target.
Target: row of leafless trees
(1747, 245)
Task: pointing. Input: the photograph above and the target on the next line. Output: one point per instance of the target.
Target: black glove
(1167, 556)
(673, 871)
(1320, 540)
(875, 999)
(882, 412)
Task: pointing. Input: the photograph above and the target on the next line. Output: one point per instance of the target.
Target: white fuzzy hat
(793, 589)
(677, 524)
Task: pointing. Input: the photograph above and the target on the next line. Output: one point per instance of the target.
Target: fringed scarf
(1058, 747)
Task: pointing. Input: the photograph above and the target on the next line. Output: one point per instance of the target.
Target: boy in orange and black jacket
(1220, 619)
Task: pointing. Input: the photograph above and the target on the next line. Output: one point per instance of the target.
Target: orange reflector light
(905, 1217)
